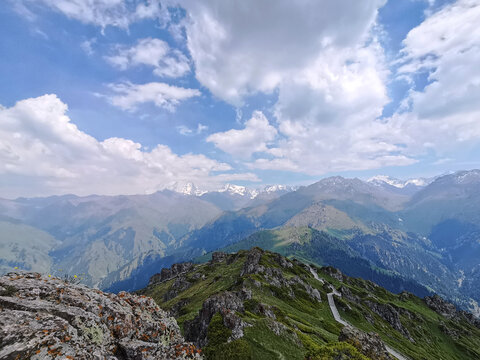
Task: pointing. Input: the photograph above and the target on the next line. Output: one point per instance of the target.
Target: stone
(391, 315)
(168, 274)
(227, 304)
(369, 344)
(47, 318)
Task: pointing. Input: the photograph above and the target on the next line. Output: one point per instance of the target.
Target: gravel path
(338, 318)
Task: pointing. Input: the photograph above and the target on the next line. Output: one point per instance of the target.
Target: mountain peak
(381, 180)
(187, 188)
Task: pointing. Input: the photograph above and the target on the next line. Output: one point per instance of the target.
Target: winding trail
(338, 318)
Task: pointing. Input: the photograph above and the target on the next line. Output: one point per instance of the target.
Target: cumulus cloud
(103, 13)
(240, 48)
(128, 96)
(87, 46)
(151, 52)
(331, 81)
(186, 131)
(257, 134)
(42, 152)
(445, 113)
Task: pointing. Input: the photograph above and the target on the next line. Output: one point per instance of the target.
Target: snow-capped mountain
(186, 189)
(384, 179)
(239, 190)
(406, 187)
(230, 189)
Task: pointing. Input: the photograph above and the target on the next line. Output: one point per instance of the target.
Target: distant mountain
(406, 187)
(430, 236)
(394, 231)
(98, 235)
(233, 197)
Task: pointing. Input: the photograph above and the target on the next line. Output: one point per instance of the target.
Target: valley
(424, 240)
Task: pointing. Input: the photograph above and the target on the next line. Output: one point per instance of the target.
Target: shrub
(337, 351)
(219, 349)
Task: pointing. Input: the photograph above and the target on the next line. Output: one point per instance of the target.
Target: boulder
(44, 317)
(369, 344)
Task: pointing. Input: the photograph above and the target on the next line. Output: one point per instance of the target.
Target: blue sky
(160, 93)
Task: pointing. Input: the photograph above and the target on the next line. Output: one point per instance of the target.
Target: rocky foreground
(47, 318)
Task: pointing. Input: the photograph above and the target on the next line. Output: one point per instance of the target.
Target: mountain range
(420, 234)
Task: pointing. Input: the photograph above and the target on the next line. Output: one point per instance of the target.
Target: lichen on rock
(47, 318)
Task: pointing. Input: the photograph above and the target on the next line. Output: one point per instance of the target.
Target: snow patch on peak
(186, 189)
(234, 189)
(380, 180)
(189, 188)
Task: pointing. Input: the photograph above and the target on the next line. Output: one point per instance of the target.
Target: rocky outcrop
(252, 262)
(218, 257)
(440, 306)
(274, 275)
(227, 304)
(369, 344)
(167, 274)
(334, 273)
(46, 318)
(449, 311)
(391, 315)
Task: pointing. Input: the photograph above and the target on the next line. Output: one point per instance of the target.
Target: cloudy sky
(132, 96)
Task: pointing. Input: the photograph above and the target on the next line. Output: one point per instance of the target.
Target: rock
(334, 273)
(176, 309)
(451, 332)
(348, 295)
(47, 318)
(252, 262)
(390, 314)
(440, 306)
(449, 311)
(218, 257)
(180, 284)
(282, 261)
(369, 344)
(227, 304)
(167, 274)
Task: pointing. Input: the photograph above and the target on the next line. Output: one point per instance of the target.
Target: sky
(135, 96)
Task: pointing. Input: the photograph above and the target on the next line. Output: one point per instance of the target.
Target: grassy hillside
(321, 248)
(24, 247)
(258, 304)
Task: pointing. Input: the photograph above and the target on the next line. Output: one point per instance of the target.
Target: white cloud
(186, 131)
(128, 96)
(103, 13)
(242, 48)
(331, 80)
(42, 152)
(87, 46)
(98, 12)
(151, 52)
(445, 113)
(257, 134)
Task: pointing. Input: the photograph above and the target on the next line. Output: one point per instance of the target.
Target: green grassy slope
(295, 324)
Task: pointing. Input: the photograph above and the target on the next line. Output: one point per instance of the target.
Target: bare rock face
(391, 315)
(334, 273)
(449, 311)
(167, 274)
(227, 304)
(252, 263)
(46, 318)
(218, 257)
(369, 344)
